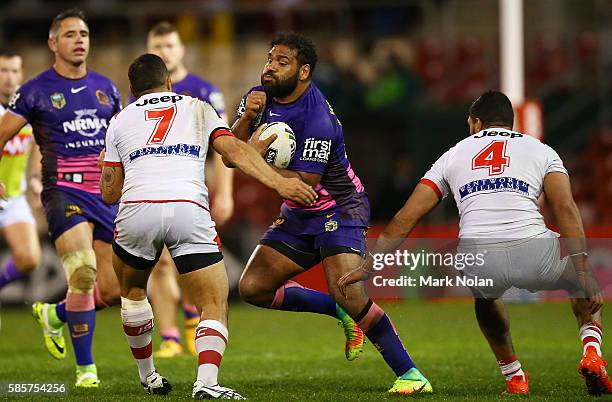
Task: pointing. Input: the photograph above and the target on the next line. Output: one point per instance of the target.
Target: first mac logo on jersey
(316, 150)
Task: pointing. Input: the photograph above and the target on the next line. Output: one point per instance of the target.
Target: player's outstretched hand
(354, 276)
(297, 191)
(596, 302)
(261, 146)
(361, 273)
(593, 293)
(255, 103)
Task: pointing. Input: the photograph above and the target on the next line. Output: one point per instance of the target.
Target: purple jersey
(319, 149)
(196, 87)
(69, 119)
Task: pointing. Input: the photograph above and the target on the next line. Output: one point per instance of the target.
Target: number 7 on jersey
(165, 118)
(493, 157)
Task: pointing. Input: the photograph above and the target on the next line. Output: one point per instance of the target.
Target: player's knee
(80, 267)
(249, 289)
(82, 280)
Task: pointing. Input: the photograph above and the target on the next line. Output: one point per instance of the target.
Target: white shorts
(15, 210)
(143, 229)
(533, 264)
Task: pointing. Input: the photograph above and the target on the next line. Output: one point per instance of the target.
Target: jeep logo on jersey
(165, 98)
(489, 133)
(86, 123)
(316, 150)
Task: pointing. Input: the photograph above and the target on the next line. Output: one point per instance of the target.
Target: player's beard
(5, 97)
(281, 87)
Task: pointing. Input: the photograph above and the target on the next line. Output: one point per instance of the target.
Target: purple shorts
(66, 207)
(317, 236)
(351, 237)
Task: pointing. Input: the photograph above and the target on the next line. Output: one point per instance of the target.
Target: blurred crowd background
(400, 75)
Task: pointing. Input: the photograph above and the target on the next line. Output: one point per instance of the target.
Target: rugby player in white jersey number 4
(496, 176)
(154, 164)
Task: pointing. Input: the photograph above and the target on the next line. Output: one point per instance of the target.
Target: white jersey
(496, 177)
(161, 140)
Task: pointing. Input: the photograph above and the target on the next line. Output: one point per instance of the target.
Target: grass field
(283, 356)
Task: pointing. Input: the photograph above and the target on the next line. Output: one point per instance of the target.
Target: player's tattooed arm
(111, 183)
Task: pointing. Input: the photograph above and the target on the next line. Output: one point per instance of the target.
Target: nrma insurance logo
(493, 186)
(85, 123)
(316, 150)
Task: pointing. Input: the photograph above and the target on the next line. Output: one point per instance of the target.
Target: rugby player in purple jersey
(69, 107)
(333, 230)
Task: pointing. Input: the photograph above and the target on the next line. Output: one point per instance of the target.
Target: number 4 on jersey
(165, 118)
(493, 157)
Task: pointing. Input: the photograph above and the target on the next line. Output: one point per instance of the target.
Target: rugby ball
(282, 149)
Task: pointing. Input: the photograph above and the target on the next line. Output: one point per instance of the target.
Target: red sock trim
(205, 331)
(512, 359)
(144, 352)
(209, 357)
(595, 328)
(590, 339)
(139, 330)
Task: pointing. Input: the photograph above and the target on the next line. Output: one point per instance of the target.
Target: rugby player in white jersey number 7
(496, 176)
(155, 165)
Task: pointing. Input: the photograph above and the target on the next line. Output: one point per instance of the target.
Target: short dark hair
(8, 53)
(492, 107)
(306, 51)
(148, 71)
(72, 13)
(162, 28)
